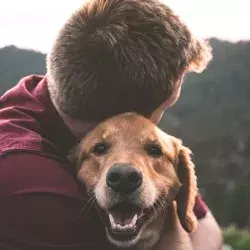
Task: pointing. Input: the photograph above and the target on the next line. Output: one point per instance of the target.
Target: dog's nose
(124, 178)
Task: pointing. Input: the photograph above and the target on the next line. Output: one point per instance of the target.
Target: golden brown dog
(143, 182)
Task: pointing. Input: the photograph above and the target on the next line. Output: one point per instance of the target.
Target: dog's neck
(165, 233)
(154, 230)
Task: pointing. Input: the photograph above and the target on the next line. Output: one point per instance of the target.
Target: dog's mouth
(125, 220)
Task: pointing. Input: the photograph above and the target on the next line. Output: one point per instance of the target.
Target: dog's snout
(124, 178)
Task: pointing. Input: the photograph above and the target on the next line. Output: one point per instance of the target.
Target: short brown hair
(115, 56)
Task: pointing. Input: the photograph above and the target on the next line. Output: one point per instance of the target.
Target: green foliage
(239, 204)
(237, 239)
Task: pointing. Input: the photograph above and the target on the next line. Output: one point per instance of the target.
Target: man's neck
(77, 127)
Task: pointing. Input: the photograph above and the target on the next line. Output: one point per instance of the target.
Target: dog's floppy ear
(75, 156)
(185, 198)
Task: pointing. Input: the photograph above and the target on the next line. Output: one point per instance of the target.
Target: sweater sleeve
(41, 207)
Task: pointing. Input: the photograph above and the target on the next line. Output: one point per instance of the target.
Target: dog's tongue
(124, 218)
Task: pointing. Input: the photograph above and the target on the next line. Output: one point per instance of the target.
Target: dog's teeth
(134, 220)
(111, 219)
(112, 222)
(116, 226)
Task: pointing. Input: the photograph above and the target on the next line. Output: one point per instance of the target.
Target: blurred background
(213, 114)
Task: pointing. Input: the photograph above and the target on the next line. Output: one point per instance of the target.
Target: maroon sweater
(41, 205)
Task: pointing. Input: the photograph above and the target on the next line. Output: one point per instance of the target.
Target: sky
(34, 24)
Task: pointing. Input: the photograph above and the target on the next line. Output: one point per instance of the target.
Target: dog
(143, 182)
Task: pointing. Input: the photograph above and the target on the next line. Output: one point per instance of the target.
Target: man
(111, 56)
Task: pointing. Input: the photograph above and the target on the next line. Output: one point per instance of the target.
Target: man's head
(115, 56)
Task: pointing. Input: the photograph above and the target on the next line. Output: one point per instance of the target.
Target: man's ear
(157, 114)
(185, 198)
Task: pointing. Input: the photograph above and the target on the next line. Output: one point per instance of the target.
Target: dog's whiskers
(159, 204)
(164, 204)
(92, 199)
(154, 209)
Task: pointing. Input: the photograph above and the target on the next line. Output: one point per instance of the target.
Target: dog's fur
(169, 179)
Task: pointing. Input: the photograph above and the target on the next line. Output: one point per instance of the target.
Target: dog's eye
(100, 148)
(154, 150)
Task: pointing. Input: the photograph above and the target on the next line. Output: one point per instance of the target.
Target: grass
(237, 239)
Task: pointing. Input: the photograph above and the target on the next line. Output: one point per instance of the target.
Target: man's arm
(41, 206)
(208, 235)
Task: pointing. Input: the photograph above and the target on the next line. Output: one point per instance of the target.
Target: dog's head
(133, 169)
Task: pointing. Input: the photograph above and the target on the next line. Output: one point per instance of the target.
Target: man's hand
(208, 235)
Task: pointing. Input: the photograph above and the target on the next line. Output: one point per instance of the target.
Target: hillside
(16, 63)
(212, 117)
